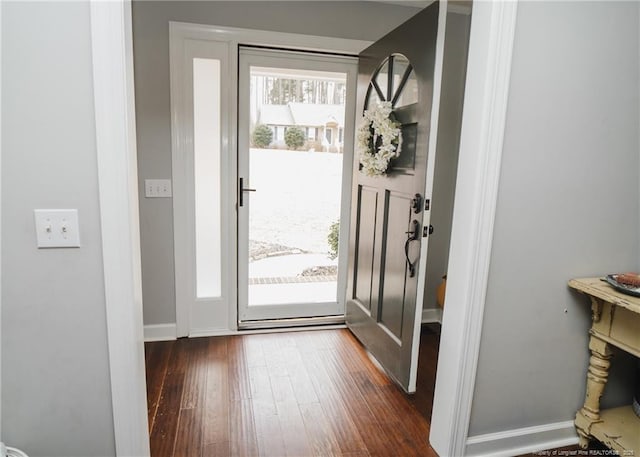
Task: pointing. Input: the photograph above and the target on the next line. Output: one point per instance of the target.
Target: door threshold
(291, 322)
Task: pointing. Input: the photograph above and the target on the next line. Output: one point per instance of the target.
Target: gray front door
(387, 211)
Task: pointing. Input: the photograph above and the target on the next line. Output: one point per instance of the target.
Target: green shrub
(294, 137)
(261, 136)
(333, 238)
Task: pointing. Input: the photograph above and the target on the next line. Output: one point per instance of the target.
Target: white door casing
(493, 26)
(112, 49)
(198, 317)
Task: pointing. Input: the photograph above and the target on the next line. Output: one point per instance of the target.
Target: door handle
(413, 235)
(242, 191)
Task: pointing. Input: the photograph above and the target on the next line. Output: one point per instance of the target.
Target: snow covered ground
(297, 198)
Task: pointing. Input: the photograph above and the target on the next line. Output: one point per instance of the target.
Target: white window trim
(488, 74)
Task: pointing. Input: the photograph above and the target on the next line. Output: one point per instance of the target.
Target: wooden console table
(615, 322)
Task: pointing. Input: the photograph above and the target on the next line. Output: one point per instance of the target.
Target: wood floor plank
(216, 398)
(220, 449)
(322, 441)
(239, 387)
(163, 434)
(296, 442)
(189, 433)
(355, 358)
(334, 405)
(156, 359)
(301, 384)
(242, 431)
(195, 380)
(268, 433)
(254, 350)
(377, 428)
(312, 393)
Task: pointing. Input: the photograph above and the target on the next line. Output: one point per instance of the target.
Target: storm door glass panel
(206, 149)
(294, 211)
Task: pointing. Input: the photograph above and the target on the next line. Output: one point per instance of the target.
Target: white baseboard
(522, 440)
(432, 315)
(160, 332)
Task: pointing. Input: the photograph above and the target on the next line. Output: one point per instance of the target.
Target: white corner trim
(523, 440)
(160, 332)
(432, 316)
(483, 124)
(112, 48)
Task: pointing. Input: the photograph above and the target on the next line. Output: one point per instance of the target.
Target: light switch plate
(57, 228)
(157, 188)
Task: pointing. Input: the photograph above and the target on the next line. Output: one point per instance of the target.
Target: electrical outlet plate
(157, 188)
(57, 228)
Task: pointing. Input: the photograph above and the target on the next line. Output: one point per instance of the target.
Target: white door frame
(483, 124)
(220, 320)
(488, 75)
(112, 49)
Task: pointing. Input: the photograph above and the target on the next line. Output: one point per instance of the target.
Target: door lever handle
(242, 191)
(413, 235)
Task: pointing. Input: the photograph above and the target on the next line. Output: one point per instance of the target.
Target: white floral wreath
(379, 139)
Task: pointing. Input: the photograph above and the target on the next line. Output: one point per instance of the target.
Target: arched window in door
(393, 81)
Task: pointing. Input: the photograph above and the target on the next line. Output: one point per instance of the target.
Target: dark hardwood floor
(312, 393)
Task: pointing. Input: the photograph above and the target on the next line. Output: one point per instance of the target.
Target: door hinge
(426, 231)
(427, 203)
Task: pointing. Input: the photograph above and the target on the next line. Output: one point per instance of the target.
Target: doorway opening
(294, 164)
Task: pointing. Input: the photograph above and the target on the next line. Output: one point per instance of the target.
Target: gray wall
(354, 20)
(567, 207)
(56, 398)
(446, 167)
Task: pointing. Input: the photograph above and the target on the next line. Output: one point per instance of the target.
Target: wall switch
(57, 228)
(157, 188)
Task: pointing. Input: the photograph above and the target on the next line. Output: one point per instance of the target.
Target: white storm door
(295, 152)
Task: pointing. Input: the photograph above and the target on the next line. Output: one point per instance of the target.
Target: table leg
(596, 381)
